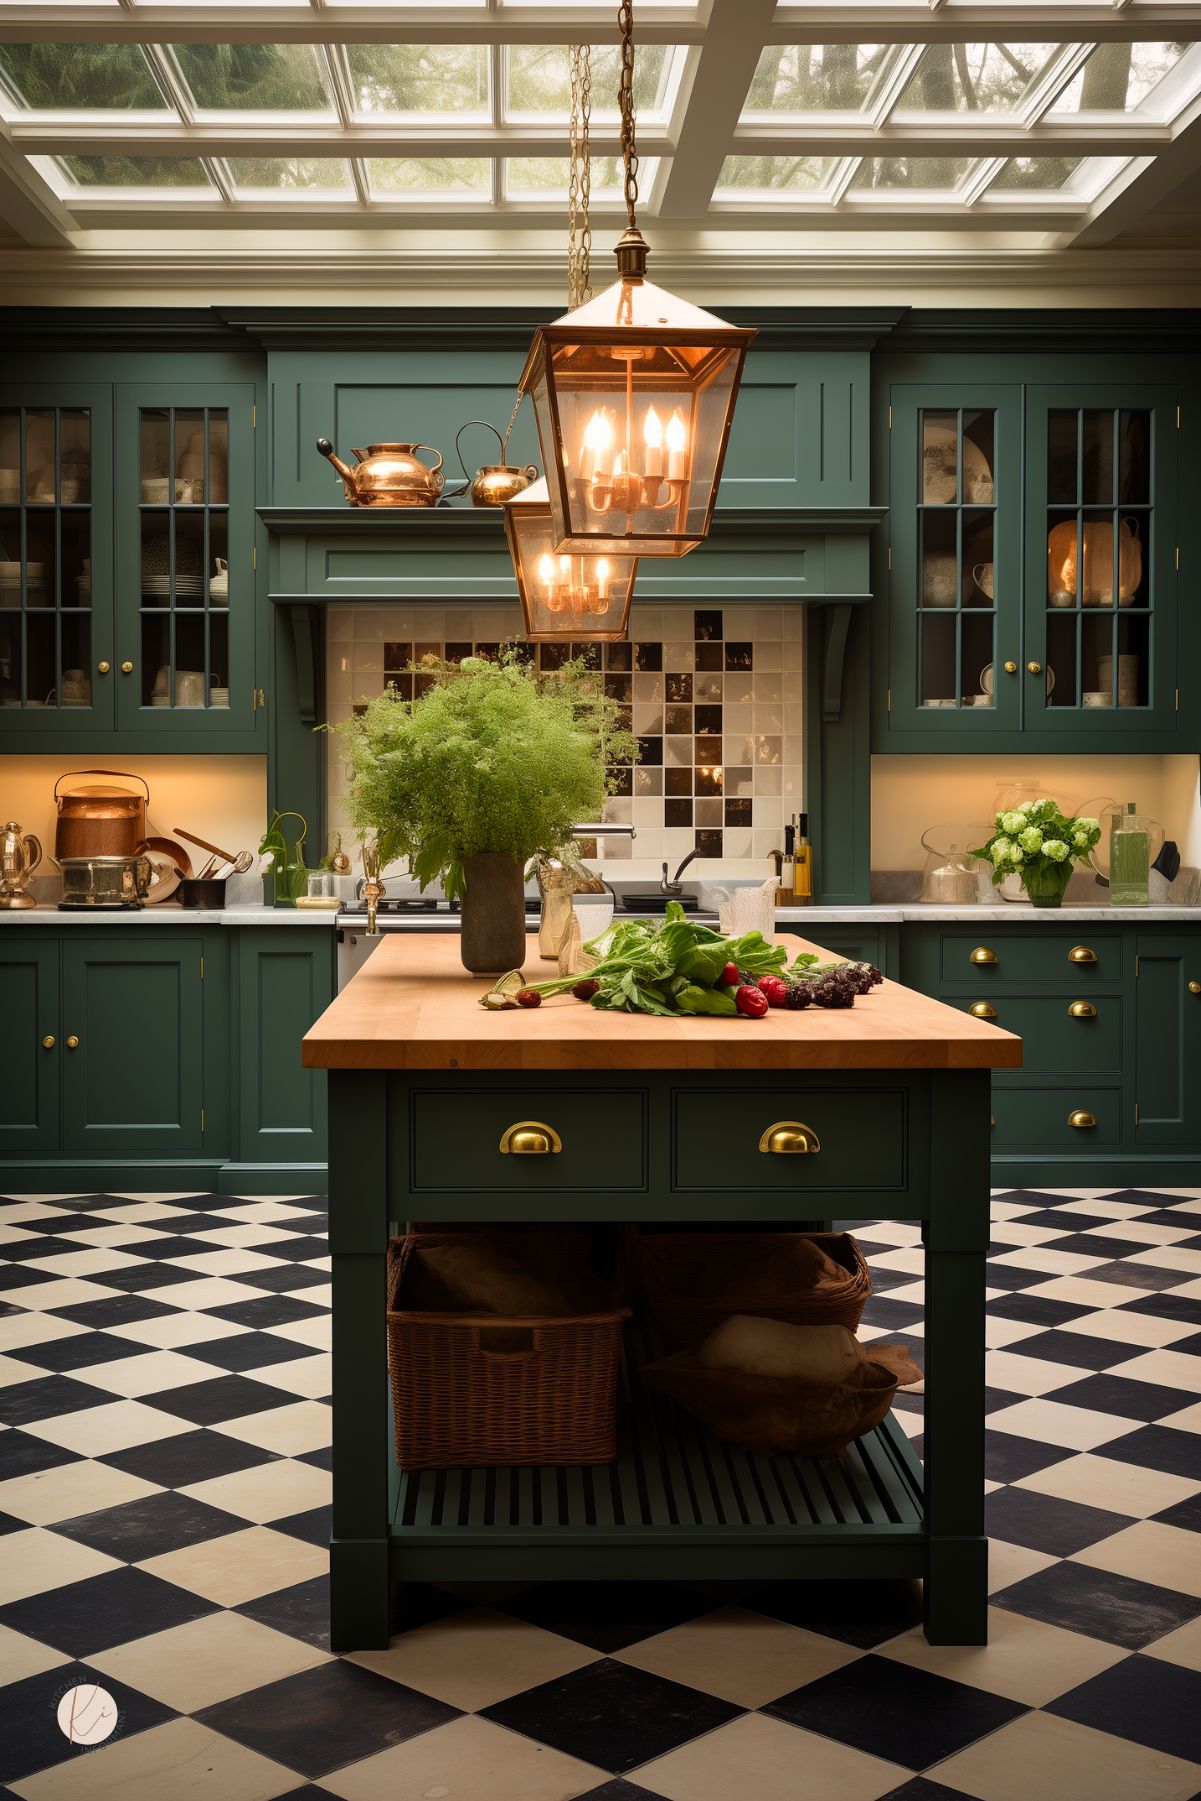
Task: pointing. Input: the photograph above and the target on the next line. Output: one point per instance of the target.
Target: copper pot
(100, 820)
(494, 483)
(388, 475)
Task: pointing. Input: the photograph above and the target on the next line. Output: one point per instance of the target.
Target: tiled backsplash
(716, 701)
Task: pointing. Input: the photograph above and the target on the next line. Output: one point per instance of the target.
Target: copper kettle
(494, 483)
(388, 475)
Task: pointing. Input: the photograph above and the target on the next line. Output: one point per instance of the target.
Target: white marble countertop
(170, 913)
(1006, 913)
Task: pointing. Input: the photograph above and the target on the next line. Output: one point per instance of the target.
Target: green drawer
(455, 1139)
(857, 944)
(1055, 1040)
(1037, 1119)
(715, 1140)
(1028, 955)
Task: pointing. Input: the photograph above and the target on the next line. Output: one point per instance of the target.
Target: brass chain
(625, 96)
(579, 178)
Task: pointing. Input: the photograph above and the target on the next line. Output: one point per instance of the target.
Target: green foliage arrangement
(1037, 839)
(494, 757)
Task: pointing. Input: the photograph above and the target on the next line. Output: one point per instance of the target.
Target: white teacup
(189, 687)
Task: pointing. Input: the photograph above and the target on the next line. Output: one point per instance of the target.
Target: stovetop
(415, 905)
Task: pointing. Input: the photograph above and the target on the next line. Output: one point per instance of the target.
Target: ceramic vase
(493, 914)
(1045, 887)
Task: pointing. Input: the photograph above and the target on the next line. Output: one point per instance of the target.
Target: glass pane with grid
(957, 558)
(184, 473)
(45, 557)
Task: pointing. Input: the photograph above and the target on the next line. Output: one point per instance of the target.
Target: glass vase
(1045, 887)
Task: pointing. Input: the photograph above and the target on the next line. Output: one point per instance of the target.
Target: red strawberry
(752, 1002)
(729, 976)
(775, 989)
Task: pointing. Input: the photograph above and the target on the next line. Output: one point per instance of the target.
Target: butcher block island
(624, 1118)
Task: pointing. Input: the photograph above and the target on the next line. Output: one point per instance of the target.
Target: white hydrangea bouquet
(1039, 843)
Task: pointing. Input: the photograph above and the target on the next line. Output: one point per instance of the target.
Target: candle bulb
(652, 432)
(602, 576)
(546, 569)
(677, 448)
(598, 447)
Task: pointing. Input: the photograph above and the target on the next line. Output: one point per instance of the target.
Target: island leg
(956, 1237)
(360, 1613)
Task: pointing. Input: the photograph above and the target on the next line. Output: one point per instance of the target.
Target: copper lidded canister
(100, 819)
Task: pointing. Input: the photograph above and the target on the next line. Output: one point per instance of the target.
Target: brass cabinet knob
(127, 669)
(1081, 1119)
(982, 954)
(529, 1138)
(1011, 667)
(104, 668)
(48, 1042)
(1194, 987)
(1080, 953)
(790, 1138)
(992, 1119)
(1035, 668)
(72, 1043)
(982, 1010)
(1082, 1010)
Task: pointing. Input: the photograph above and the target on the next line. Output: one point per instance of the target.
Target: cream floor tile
(999, 1332)
(279, 1207)
(307, 1377)
(466, 1760)
(146, 1208)
(205, 1291)
(305, 1426)
(770, 1761)
(35, 1559)
(157, 1370)
(1043, 1758)
(1187, 1420)
(19, 1329)
(1054, 1423)
(1126, 1325)
(68, 1490)
(1150, 1551)
(232, 1260)
(1105, 1482)
(21, 1656)
(1008, 1564)
(324, 1263)
(98, 1431)
(12, 1370)
(1172, 1369)
(1024, 1660)
(473, 1660)
(1170, 1256)
(180, 1761)
(245, 1236)
(89, 1260)
(315, 1331)
(740, 1656)
(1083, 1293)
(1191, 1291)
(909, 1257)
(1027, 1375)
(240, 1567)
(1182, 1646)
(1009, 1209)
(23, 1207)
(14, 1234)
(206, 1661)
(1055, 1263)
(912, 1424)
(109, 1236)
(67, 1291)
(1138, 1231)
(1102, 1208)
(177, 1329)
(888, 1231)
(318, 1296)
(1017, 1232)
(272, 1491)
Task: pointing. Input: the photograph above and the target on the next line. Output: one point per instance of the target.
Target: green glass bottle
(1129, 861)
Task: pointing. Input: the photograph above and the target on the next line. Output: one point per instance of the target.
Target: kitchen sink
(654, 902)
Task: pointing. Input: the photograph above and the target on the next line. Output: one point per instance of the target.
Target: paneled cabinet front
(1168, 1039)
(285, 981)
(29, 1090)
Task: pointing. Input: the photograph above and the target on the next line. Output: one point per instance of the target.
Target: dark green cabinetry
(857, 943)
(1167, 1033)
(284, 981)
(29, 1090)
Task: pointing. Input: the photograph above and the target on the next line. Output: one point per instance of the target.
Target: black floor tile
(321, 1459)
(1035, 1309)
(607, 1616)
(884, 1278)
(267, 1310)
(1154, 1703)
(15, 1275)
(1172, 1216)
(23, 1455)
(326, 1717)
(881, 1310)
(248, 1351)
(1163, 1448)
(168, 1246)
(82, 1618)
(612, 1715)
(1076, 1349)
(220, 1398)
(283, 1280)
(181, 1224)
(42, 1244)
(22, 1403)
(1168, 1306)
(301, 1611)
(1012, 1276)
(420, 1604)
(1055, 1219)
(1115, 1393)
(1046, 1523)
(922, 1789)
(1139, 1275)
(857, 1613)
(886, 1708)
(10, 1523)
(81, 1350)
(144, 1275)
(301, 1249)
(996, 1398)
(314, 1526)
(306, 1223)
(113, 1310)
(1007, 1458)
(32, 1739)
(138, 1530)
(618, 1790)
(1083, 1244)
(1185, 1514)
(187, 1458)
(1115, 1609)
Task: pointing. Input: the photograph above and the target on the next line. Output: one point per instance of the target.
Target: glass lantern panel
(566, 595)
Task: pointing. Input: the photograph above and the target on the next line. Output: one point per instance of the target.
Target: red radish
(751, 1001)
(729, 976)
(528, 997)
(775, 989)
(585, 990)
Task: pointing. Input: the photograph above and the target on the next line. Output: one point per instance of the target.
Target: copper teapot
(494, 483)
(388, 475)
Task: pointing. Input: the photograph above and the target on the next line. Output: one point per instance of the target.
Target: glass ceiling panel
(545, 177)
(430, 177)
(254, 77)
(134, 171)
(927, 174)
(1044, 173)
(537, 84)
(986, 78)
(289, 174)
(795, 79)
(80, 76)
(420, 79)
(742, 177)
(1118, 78)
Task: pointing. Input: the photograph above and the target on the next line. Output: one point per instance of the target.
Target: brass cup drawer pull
(982, 1010)
(790, 1138)
(1082, 1010)
(48, 1042)
(1081, 1119)
(1080, 953)
(72, 1043)
(530, 1138)
(982, 954)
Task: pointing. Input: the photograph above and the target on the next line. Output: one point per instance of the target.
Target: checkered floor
(163, 1499)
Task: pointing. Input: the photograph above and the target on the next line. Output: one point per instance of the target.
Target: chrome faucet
(675, 886)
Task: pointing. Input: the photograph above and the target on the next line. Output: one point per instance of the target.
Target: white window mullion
(893, 84)
(979, 178)
(841, 179)
(218, 172)
(1055, 78)
(495, 113)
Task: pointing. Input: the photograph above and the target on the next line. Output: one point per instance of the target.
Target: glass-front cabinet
(1032, 567)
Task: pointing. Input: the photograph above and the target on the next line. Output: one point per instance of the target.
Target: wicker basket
(472, 1389)
(692, 1281)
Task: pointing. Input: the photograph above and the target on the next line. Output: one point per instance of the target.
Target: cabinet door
(133, 1080)
(955, 580)
(285, 980)
(1101, 579)
(29, 1091)
(56, 597)
(185, 531)
(1168, 1040)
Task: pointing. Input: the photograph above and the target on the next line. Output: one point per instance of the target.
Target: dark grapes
(799, 994)
(831, 992)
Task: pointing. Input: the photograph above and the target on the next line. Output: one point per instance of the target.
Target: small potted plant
(1039, 844)
(494, 763)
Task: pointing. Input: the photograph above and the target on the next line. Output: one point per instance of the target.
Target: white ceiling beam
(709, 101)
(28, 206)
(238, 137)
(956, 135)
(1144, 185)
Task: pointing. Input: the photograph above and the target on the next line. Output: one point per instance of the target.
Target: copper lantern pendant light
(633, 396)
